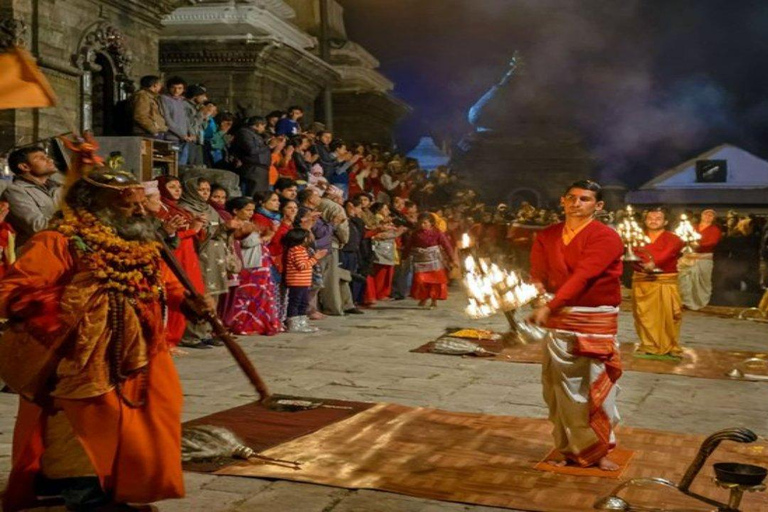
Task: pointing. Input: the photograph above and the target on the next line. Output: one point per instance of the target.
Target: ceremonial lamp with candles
(492, 289)
(466, 247)
(632, 235)
(687, 234)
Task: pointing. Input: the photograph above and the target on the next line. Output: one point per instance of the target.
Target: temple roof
(744, 180)
(492, 109)
(428, 154)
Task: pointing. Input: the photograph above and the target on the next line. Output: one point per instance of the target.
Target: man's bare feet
(433, 304)
(422, 303)
(607, 465)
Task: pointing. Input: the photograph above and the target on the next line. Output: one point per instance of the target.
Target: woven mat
(485, 460)
(705, 363)
(261, 428)
(620, 456)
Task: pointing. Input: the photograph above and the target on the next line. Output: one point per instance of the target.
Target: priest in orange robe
(579, 262)
(100, 399)
(656, 304)
(695, 268)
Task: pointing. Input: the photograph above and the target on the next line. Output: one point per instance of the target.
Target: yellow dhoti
(658, 312)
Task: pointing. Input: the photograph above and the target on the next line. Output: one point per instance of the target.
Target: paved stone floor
(366, 357)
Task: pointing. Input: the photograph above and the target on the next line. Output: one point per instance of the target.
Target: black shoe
(213, 342)
(353, 311)
(194, 344)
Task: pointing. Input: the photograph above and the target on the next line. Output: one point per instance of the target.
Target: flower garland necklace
(128, 267)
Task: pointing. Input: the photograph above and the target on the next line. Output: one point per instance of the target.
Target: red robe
(583, 273)
(665, 251)
(134, 452)
(710, 237)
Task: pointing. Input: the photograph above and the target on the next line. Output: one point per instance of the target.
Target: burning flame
(466, 241)
(492, 289)
(630, 231)
(686, 231)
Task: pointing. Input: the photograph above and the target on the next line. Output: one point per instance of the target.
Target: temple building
(253, 56)
(522, 148)
(725, 177)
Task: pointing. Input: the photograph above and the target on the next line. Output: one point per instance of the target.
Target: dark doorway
(103, 96)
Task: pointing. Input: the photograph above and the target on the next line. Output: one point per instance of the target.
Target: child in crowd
(298, 277)
(429, 248)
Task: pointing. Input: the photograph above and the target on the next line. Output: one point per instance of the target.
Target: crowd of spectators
(320, 227)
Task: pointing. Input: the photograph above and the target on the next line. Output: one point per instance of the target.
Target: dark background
(649, 82)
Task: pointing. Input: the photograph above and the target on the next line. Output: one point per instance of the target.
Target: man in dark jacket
(325, 155)
(255, 156)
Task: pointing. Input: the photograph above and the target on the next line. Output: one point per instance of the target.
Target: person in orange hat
(99, 421)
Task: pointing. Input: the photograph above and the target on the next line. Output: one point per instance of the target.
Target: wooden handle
(219, 329)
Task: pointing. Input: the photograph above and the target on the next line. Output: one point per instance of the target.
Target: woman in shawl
(191, 225)
(234, 259)
(430, 249)
(255, 308)
(383, 235)
(267, 219)
(212, 250)
(335, 295)
(267, 215)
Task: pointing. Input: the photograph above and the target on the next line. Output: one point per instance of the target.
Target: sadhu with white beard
(579, 262)
(99, 412)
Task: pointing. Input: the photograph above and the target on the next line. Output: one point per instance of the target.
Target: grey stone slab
(237, 485)
(290, 496)
(352, 361)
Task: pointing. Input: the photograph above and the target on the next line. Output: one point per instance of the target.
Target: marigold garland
(128, 267)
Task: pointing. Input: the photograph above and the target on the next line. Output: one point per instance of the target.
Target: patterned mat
(696, 362)
(484, 460)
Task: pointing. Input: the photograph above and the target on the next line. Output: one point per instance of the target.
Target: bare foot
(177, 352)
(433, 304)
(422, 303)
(558, 463)
(607, 465)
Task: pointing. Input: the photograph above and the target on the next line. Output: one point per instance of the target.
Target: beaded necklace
(130, 272)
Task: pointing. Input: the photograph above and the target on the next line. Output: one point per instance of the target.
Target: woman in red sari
(170, 192)
(429, 248)
(255, 306)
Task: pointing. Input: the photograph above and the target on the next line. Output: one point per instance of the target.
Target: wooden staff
(219, 329)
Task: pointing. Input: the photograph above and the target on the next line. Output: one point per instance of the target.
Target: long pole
(241, 358)
(325, 55)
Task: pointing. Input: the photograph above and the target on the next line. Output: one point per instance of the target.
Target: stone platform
(367, 358)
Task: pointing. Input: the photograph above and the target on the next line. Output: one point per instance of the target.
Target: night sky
(649, 83)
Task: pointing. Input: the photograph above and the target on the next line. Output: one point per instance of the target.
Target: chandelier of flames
(687, 234)
(491, 289)
(631, 234)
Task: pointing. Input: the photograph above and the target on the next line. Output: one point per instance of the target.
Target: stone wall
(253, 77)
(55, 35)
(366, 116)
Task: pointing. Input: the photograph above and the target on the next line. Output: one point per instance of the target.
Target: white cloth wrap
(695, 279)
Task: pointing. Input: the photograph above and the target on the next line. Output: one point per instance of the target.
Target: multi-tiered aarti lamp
(632, 235)
(491, 289)
(687, 234)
